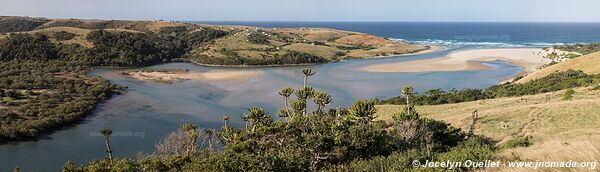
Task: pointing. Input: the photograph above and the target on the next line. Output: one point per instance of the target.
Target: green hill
(203, 44)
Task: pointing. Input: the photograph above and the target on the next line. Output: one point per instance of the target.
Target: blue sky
(311, 10)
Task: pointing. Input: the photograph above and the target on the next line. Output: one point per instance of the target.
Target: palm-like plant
(226, 121)
(286, 93)
(363, 111)
(256, 116)
(191, 131)
(298, 106)
(322, 99)
(408, 93)
(210, 134)
(106, 132)
(304, 94)
(307, 72)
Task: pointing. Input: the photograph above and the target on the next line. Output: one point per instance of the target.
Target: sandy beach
(179, 76)
(530, 59)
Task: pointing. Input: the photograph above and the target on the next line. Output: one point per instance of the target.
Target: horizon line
(320, 21)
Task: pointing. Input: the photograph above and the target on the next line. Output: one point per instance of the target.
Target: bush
(553, 82)
(27, 47)
(258, 38)
(568, 95)
(19, 24)
(518, 141)
(63, 36)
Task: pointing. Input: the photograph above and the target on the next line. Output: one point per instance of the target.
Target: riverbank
(530, 59)
(175, 76)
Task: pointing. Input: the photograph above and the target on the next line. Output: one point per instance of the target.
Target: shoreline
(528, 59)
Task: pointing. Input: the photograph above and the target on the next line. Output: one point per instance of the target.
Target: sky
(311, 10)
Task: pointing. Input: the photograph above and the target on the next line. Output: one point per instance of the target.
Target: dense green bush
(63, 35)
(233, 58)
(553, 82)
(27, 47)
(518, 141)
(258, 38)
(60, 98)
(19, 24)
(132, 49)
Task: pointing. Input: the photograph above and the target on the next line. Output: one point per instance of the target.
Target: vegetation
(322, 140)
(258, 38)
(553, 82)
(19, 24)
(27, 47)
(518, 141)
(568, 95)
(63, 36)
(132, 49)
(233, 58)
(42, 96)
(142, 43)
(580, 48)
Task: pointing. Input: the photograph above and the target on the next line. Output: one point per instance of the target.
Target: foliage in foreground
(322, 140)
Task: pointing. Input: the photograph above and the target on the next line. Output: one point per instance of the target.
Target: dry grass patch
(547, 118)
(319, 50)
(587, 63)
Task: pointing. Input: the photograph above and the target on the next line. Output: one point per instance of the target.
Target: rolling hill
(589, 64)
(222, 44)
(561, 130)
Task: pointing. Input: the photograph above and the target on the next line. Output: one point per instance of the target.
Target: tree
(363, 111)
(298, 106)
(286, 93)
(407, 91)
(225, 121)
(255, 117)
(307, 72)
(304, 94)
(192, 134)
(322, 99)
(106, 132)
(210, 133)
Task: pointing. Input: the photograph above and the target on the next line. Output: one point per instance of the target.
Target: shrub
(568, 95)
(518, 141)
(63, 35)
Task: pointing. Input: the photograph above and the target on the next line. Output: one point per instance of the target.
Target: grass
(321, 42)
(559, 130)
(315, 41)
(587, 63)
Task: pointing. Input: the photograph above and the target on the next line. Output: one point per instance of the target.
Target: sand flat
(530, 59)
(178, 76)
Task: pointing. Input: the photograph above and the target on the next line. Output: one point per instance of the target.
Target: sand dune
(530, 59)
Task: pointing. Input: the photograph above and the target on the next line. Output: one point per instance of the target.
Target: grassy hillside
(238, 45)
(560, 129)
(587, 63)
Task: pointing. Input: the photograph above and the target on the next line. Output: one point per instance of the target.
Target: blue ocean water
(492, 34)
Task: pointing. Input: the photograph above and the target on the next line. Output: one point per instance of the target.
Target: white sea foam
(457, 43)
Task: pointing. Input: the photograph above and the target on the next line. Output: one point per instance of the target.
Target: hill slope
(212, 44)
(561, 129)
(589, 64)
